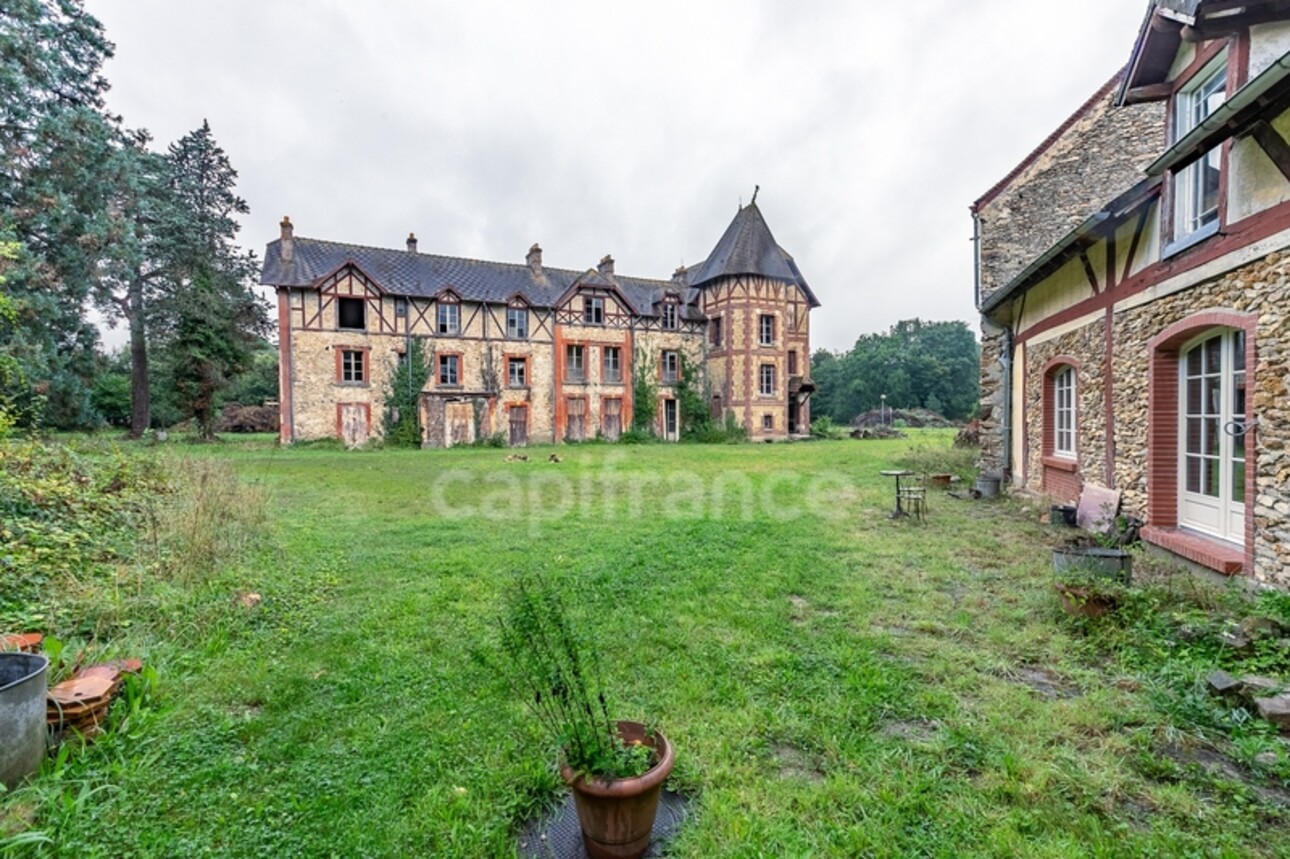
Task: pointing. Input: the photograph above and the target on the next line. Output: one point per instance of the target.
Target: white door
(1212, 436)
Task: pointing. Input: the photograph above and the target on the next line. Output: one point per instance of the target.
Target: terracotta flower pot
(617, 816)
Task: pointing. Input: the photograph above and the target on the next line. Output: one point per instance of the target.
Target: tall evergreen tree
(209, 318)
(56, 145)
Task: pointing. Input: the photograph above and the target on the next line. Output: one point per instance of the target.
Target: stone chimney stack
(412, 243)
(606, 266)
(534, 259)
(288, 249)
(678, 276)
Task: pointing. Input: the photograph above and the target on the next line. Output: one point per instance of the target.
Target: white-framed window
(1064, 412)
(575, 363)
(669, 316)
(612, 371)
(767, 386)
(671, 362)
(766, 330)
(593, 310)
(449, 318)
(517, 323)
(517, 372)
(1196, 187)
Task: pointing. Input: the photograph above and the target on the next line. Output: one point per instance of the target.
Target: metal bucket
(23, 686)
(988, 485)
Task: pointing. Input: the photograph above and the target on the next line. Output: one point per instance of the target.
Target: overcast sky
(633, 129)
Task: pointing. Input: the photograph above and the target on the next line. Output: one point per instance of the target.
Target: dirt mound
(907, 417)
(235, 417)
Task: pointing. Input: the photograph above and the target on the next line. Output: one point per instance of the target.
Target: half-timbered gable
(527, 351)
(1146, 348)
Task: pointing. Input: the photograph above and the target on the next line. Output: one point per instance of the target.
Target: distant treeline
(931, 365)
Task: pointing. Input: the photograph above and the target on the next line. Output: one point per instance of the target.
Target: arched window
(1060, 429)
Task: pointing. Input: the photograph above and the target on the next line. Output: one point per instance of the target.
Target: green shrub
(497, 439)
(637, 436)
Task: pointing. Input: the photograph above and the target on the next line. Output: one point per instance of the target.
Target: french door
(1212, 436)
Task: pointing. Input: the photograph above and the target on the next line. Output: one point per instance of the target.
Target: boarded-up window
(460, 418)
(612, 420)
(576, 427)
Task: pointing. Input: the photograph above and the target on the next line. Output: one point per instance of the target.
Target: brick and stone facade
(537, 354)
(1176, 329)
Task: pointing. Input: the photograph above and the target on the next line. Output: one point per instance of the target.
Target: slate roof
(749, 248)
(404, 272)
(746, 248)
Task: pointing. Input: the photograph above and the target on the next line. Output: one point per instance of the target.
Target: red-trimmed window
(351, 365)
(575, 363)
(612, 364)
(1064, 412)
(450, 369)
(517, 372)
(767, 380)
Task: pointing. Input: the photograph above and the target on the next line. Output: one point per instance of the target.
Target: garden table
(897, 473)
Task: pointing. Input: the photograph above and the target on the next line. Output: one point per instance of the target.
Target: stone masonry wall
(1262, 288)
(1099, 156)
(1087, 347)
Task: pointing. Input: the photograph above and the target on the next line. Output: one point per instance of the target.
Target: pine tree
(56, 149)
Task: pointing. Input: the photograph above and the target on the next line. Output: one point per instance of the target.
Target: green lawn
(835, 683)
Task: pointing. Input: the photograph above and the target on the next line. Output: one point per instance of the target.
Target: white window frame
(671, 364)
(352, 369)
(766, 329)
(575, 362)
(517, 323)
(523, 378)
(766, 380)
(1193, 104)
(670, 316)
(1064, 412)
(448, 318)
(612, 360)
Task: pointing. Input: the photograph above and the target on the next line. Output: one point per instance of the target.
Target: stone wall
(1086, 346)
(1101, 154)
(991, 415)
(1261, 288)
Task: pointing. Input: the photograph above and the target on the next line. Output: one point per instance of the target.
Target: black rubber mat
(558, 836)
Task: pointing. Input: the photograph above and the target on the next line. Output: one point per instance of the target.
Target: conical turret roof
(747, 247)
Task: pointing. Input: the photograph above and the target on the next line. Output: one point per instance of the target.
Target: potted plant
(615, 769)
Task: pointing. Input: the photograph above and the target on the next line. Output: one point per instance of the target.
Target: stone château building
(1133, 287)
(534, 353)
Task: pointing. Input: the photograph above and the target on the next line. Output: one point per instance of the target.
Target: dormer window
(593, 310)
(351, 313)
(669, 316)
(1196, 187)
(449, 318)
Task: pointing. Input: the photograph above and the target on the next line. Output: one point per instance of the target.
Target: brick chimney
(606, 266)
(678, 276)
(534, 259)
(412, 243)
(288, 248)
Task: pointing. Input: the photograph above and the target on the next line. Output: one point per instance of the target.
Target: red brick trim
(1060, 463)
(1214, 554)
(1162, 417)
(286, 431)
